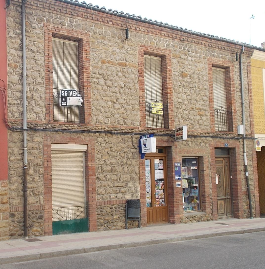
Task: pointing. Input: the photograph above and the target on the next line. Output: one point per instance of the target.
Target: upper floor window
(153, 92)
(155, 88)
(65, 60)
(222, 101)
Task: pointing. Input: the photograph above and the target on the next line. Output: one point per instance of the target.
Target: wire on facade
(112, 132)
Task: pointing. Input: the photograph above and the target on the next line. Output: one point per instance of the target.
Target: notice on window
(157, 108)
(184, 172)
(178, 184)
(185, 183)
(159, 174)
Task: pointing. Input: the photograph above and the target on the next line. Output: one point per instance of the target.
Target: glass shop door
(156, 189)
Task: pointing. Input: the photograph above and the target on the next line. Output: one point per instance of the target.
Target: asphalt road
(244, 251)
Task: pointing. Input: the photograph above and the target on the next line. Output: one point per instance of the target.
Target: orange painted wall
(3, 83)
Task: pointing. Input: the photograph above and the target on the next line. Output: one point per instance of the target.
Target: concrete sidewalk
(19, 250)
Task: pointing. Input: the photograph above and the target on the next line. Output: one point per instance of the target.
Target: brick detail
(84, 69)
(166, 84)
(230, 89)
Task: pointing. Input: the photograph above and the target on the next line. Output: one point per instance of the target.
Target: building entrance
(156, 187)
(224, 205)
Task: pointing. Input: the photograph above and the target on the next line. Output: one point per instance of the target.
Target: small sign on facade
(181, 133)
(148, 144)
(177, 171)
(157, 108)
(178, 174)
(258, 146)
(70, 97)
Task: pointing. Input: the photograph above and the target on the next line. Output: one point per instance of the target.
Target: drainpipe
(25, 153)
(244, 133)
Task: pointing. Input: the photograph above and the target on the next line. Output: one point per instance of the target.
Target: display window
(190, 184)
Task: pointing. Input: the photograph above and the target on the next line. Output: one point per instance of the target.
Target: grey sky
(229, 19)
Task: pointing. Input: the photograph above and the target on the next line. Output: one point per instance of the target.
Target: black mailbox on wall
(133, 211)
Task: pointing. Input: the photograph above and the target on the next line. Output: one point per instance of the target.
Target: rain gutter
(244, 133)
(25, 151)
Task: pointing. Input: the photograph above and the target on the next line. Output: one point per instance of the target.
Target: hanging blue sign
(177, 171)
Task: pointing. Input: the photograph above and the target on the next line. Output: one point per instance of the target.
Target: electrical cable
(115, 132)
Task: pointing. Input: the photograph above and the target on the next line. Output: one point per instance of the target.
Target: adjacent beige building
(258, 85)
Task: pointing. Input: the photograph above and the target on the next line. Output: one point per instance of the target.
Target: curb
(61, 253)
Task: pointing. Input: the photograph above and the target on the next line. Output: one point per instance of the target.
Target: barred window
(65, 76)
(222, 112)
(153, 92)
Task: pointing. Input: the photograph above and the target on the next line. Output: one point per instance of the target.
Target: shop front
(190, 185)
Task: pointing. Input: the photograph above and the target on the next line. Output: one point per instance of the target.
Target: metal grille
(65, 76)
(68, 213)
(153, 92)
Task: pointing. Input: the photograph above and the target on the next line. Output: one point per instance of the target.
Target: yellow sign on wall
(258, 146)
(157, 108)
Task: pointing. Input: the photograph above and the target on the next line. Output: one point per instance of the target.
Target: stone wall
(4, 210)
(111, 82)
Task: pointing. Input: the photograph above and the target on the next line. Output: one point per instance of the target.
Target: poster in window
(184, 172)
(185, 183)
(159, 174)
(159, 164)
(157, 108)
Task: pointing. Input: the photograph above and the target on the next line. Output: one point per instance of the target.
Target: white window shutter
(68, 185)
(153, 90)
(65, 76)
(222, 115)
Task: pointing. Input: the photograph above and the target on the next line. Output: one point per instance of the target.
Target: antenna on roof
(251, 18)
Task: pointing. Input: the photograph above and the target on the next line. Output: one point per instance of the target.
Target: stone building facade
(198, 179)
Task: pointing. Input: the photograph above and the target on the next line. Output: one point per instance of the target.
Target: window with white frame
(153, 91)
(65, 76)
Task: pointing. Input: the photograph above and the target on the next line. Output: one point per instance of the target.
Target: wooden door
(223, 187)
(156, 189)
